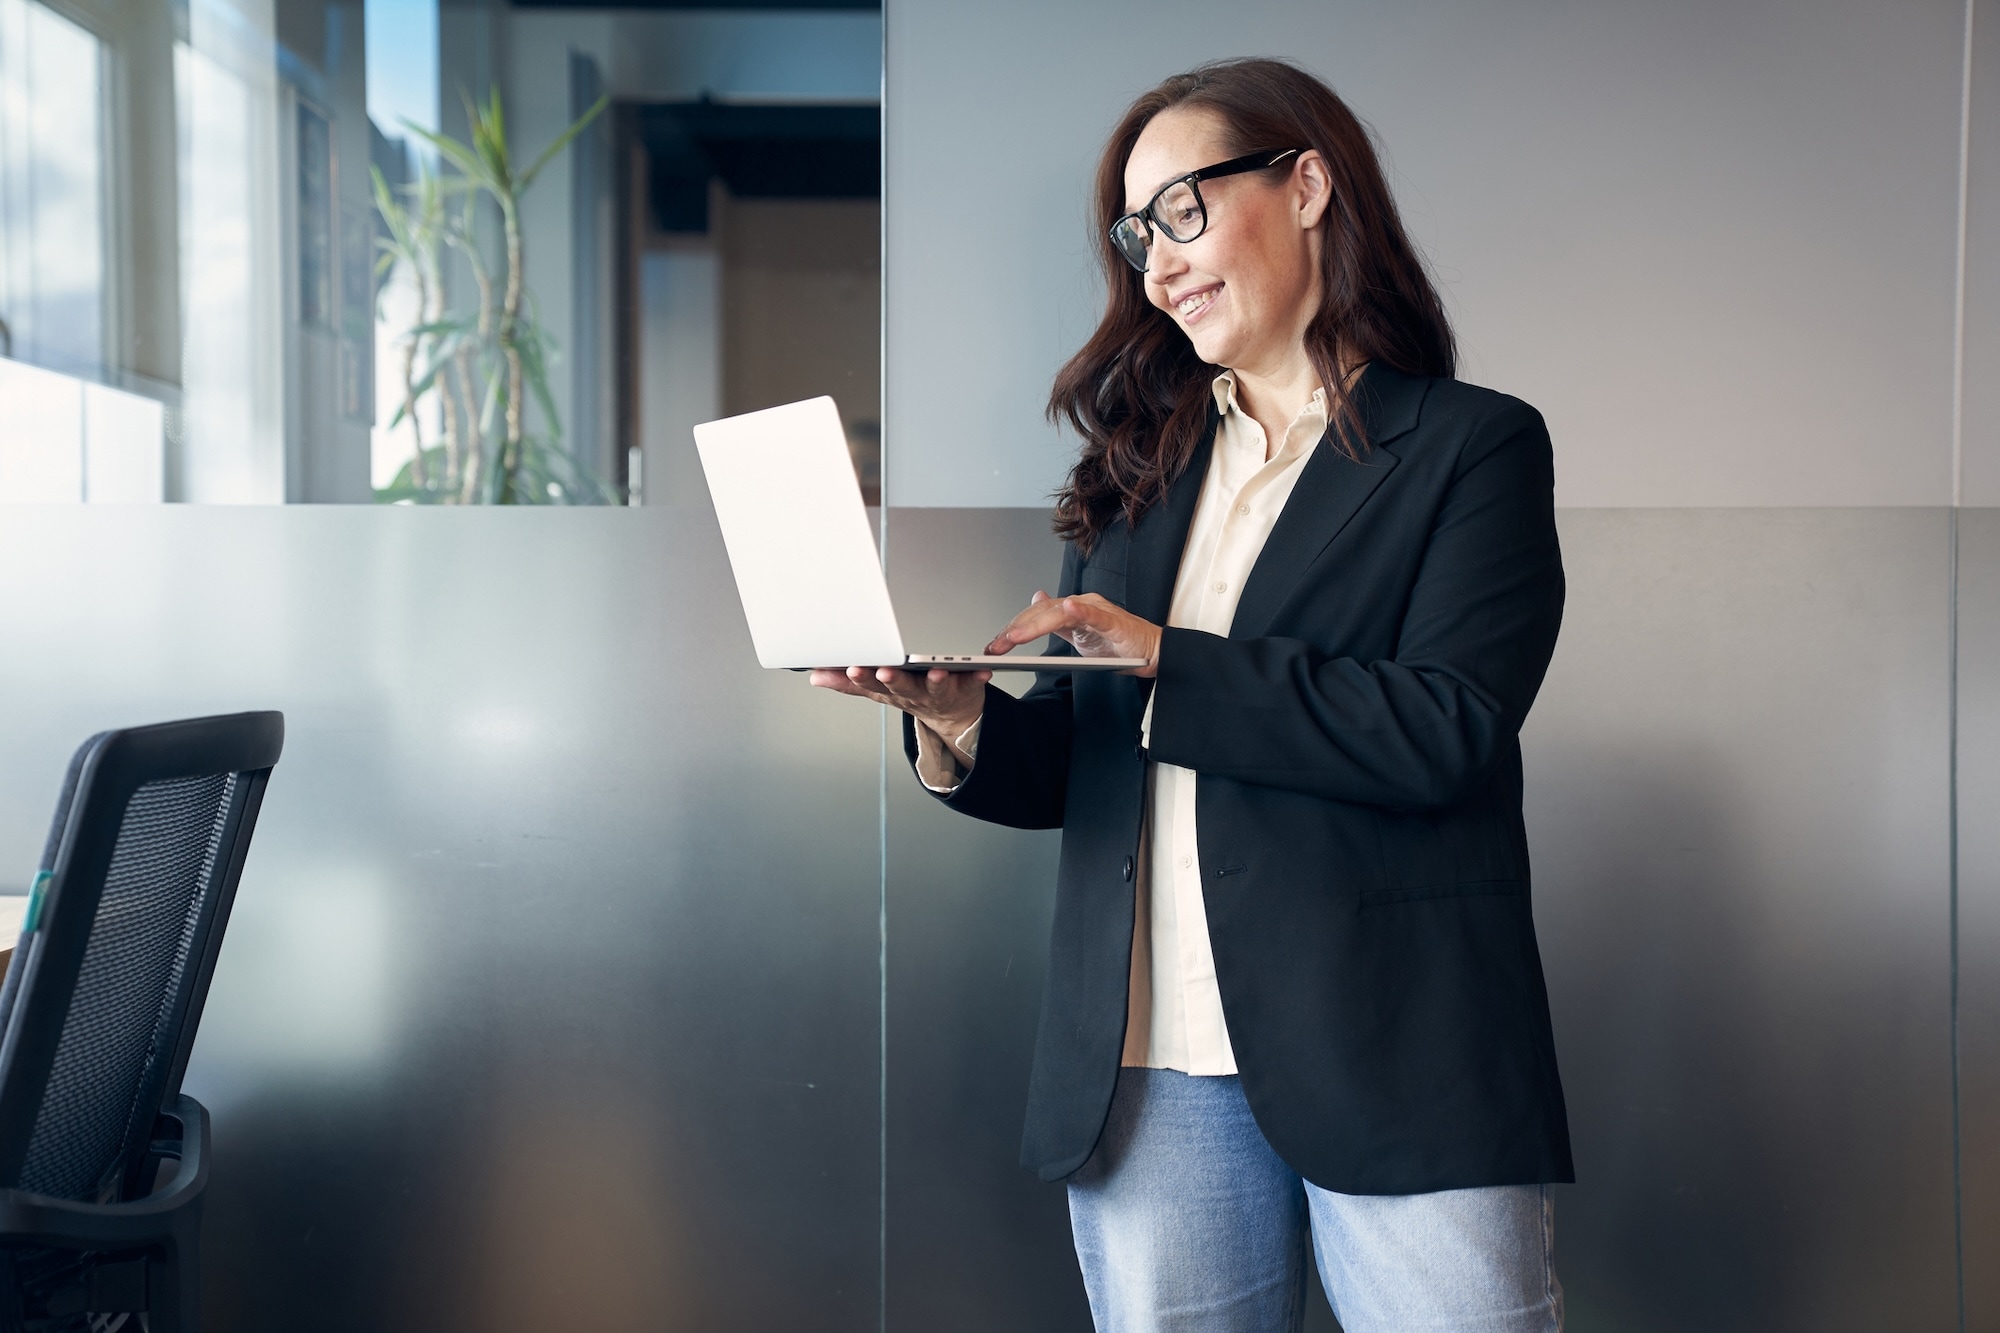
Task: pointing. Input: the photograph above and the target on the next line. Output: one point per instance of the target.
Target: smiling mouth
(1194, 303)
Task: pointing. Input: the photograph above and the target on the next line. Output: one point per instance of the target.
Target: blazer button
(1128, 867)
(1139, 752)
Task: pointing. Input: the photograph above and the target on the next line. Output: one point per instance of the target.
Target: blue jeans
(1187, 1222)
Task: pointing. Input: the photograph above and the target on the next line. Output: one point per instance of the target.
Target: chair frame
(109, 769)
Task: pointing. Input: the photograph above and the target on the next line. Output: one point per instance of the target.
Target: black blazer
(1358, 804)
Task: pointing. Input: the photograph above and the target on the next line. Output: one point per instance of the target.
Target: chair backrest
(99, 1010)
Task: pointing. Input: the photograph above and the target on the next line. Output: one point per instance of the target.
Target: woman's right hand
(947, 702)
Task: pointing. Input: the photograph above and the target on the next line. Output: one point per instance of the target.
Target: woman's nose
(1164, 259)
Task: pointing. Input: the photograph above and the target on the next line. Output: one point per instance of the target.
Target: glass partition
(553, 994)
(413, 252)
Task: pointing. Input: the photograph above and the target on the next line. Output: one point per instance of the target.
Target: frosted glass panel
(551, 995)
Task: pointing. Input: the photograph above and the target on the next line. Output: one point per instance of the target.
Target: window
(52, 205)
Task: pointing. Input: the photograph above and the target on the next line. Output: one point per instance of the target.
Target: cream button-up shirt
(1174, 1007)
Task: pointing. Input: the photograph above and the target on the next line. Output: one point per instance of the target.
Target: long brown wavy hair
(1136, 392)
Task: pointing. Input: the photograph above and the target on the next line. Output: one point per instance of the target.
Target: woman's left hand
(1091, 625)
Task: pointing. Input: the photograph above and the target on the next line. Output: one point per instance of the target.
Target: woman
(1294, 989)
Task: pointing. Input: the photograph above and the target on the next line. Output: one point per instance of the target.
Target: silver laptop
(804, 558)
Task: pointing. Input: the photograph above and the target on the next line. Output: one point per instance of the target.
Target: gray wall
(1712, 241)
(1980, 310)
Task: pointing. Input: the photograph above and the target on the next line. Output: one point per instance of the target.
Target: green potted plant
(483, 363)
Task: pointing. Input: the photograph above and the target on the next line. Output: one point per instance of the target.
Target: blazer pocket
(1419, 893)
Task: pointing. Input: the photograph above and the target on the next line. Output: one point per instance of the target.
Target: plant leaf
(465, 159)
(489, 139)
(561, 142)
(538, 387)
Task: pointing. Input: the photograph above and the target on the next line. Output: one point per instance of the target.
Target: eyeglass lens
(1131, 239)
(1176, 210)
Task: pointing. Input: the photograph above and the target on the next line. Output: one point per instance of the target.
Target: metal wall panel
(1737, 793)
(1737, 804)
(1979, 907)
(527, 1019)
(975, 1243)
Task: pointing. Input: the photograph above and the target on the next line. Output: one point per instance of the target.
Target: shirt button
(1242, 509)
(1220, 586)
(1187, 861)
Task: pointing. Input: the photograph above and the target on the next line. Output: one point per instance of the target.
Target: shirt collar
(1225, 392)
(1224, 386)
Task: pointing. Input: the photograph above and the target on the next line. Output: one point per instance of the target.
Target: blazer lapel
(1329, 493)
(1161, 536)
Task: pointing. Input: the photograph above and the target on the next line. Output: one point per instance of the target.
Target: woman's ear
(1313, 186)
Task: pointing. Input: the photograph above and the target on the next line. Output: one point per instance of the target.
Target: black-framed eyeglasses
(1178, 209)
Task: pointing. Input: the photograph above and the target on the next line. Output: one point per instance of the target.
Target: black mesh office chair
(98, 1013)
